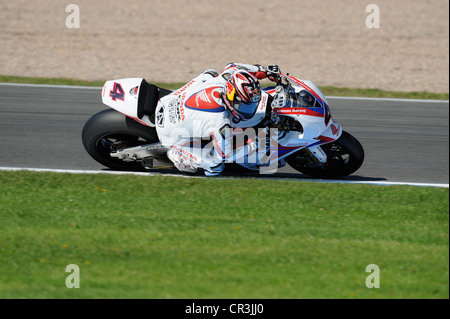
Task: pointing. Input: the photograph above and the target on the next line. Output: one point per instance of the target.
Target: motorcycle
(292, 126)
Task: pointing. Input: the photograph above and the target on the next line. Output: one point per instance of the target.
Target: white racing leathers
(194, 124)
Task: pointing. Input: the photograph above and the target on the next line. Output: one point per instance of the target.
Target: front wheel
(344, 157)
(108, 131)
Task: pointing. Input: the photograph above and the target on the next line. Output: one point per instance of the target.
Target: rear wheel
(344, 157)
(108, 131)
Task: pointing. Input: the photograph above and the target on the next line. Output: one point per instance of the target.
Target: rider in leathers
(203, 109)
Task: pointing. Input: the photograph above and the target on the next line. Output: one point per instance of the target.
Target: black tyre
(109, 129)
(345, 156)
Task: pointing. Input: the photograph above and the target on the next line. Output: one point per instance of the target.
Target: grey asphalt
(404, 141)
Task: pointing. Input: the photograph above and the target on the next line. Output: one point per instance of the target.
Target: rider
(203, 109)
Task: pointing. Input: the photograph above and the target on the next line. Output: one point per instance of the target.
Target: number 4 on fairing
(117, 92)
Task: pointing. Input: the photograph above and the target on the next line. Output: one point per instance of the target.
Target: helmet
(242, 95)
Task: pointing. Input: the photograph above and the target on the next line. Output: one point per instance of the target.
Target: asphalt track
(404, 140)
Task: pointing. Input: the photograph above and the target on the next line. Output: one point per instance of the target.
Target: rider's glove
(273, 72)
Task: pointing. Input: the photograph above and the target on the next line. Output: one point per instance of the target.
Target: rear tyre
(344, 157)
(108, 130)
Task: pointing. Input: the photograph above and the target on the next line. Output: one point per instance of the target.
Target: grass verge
(168, 237)
(327, 90)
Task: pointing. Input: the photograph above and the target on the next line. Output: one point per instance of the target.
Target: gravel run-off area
(326, 41)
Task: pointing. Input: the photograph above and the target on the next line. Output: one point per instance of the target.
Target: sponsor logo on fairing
(299, 110)
(335, 129)
(134, 90)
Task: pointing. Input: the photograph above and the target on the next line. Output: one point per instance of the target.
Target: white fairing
(315, 126)
(122, 95)
(315, 89)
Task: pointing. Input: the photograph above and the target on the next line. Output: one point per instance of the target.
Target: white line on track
(328, 97)
(382, 183)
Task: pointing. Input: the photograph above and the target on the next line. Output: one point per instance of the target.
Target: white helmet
(242, 96)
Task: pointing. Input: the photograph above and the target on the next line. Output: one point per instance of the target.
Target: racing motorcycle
(293, 126)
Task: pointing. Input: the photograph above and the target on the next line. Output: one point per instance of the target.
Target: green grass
(327, 90)
(168, 237)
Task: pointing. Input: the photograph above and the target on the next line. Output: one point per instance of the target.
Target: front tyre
(109, 130)
(344, 157)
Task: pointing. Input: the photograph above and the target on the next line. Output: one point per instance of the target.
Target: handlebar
(282, 80)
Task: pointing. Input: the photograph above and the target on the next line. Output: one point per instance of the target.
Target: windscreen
(289, 98)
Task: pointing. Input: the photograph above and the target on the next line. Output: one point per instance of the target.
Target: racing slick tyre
(344, 156)
(108, 131)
